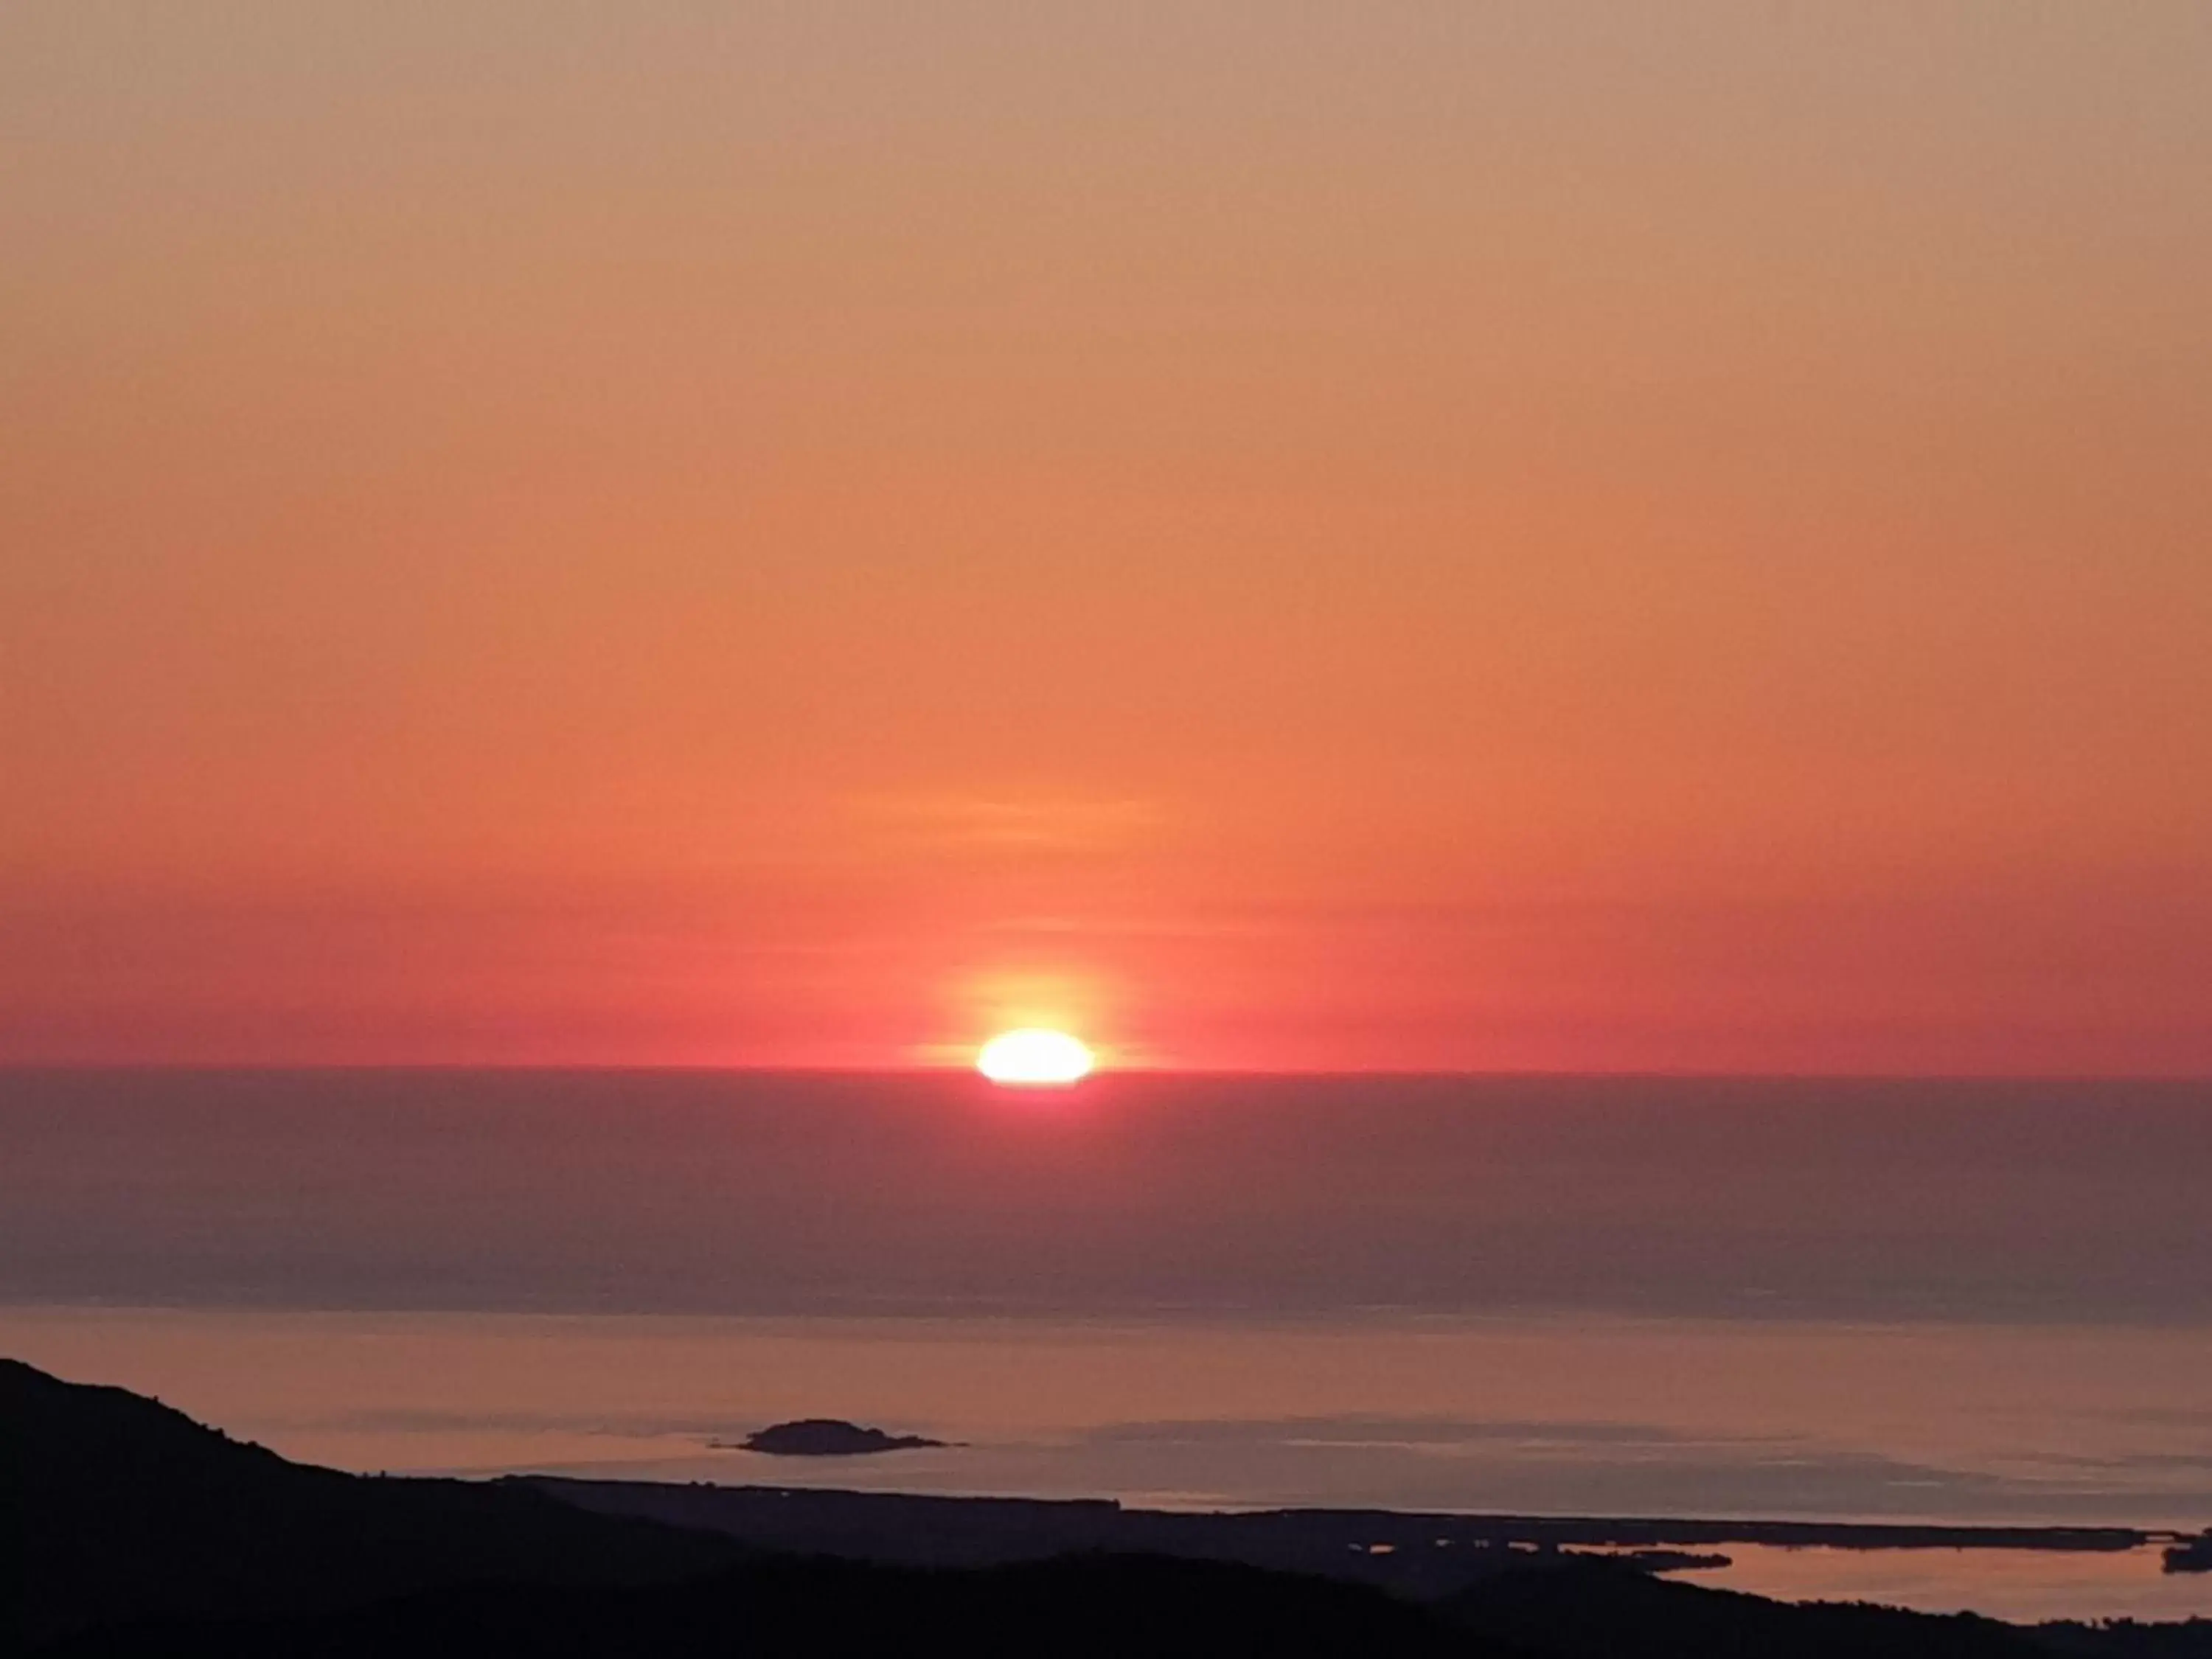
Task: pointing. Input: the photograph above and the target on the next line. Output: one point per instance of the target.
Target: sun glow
(1035, 1059)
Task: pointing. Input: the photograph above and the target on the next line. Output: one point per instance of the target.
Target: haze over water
(761, 1194)
(1935, 1300)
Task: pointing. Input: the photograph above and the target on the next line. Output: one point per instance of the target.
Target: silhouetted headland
(1410, 1552)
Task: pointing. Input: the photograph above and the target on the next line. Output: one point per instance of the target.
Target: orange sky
(1365, 536)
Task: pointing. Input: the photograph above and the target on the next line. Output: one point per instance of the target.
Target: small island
(826, 1436)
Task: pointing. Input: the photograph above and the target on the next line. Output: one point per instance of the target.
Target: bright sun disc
(1035, 1060)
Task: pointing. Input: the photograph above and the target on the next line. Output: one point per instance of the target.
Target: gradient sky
(1354, 536)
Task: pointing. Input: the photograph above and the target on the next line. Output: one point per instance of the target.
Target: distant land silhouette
(827, 1437)
(131, 1532)
(1407, 1552)
(2195, 1556)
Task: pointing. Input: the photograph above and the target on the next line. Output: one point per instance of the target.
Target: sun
(1035, 1059)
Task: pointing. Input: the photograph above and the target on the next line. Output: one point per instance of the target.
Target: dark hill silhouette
(1072, 1608)
(118, 1506)
(2126, 1638)
(1583, 1609)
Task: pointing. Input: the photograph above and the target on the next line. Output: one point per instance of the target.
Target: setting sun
(1035, 1059)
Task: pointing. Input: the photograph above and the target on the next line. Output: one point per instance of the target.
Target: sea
(1983, 1302)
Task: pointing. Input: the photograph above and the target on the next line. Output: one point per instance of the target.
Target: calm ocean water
(1968, 1301)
